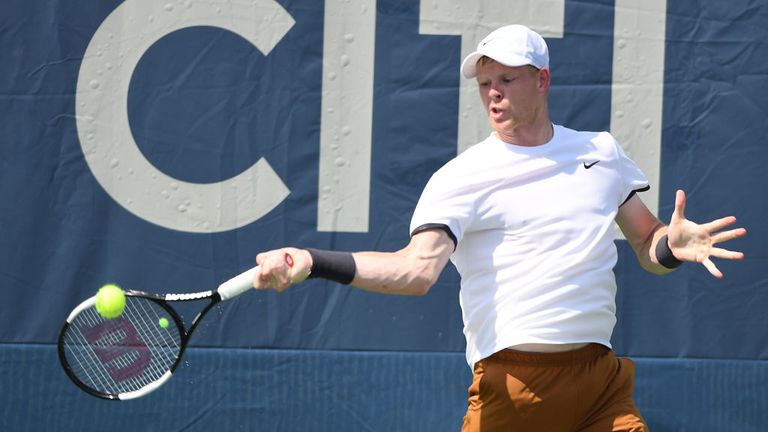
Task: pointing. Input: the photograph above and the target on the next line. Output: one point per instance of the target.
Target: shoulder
(472, 159)
(470, 172)
(598, 142)
(597, 137)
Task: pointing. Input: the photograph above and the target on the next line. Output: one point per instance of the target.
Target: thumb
(679, 213)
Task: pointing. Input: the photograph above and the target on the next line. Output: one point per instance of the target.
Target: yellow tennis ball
(110, 301)
(163, 322)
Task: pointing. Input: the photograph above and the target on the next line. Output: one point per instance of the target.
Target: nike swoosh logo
(588, 166)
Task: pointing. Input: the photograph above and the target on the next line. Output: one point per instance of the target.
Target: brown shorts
(585, 390)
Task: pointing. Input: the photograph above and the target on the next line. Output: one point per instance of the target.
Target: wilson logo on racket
(117, 345)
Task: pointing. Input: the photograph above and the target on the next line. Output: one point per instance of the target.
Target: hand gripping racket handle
(244, 281)
(238, 284)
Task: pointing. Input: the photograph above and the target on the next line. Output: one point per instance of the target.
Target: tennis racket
(134, 354)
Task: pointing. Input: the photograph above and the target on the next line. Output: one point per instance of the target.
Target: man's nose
(494, 94)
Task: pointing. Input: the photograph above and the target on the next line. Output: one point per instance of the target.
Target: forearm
(409, 271)
(644, 232)
(402, 272)
(646, 250)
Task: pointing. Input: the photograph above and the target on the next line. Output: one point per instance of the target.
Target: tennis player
(526, 216)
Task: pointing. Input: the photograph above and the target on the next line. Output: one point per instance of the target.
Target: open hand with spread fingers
(694, 242)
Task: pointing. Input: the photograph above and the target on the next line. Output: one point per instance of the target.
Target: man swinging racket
(527, 216)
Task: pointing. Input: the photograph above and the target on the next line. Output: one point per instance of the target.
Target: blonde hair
(484, 60)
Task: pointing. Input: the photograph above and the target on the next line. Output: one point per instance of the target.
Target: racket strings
(124, 354)
(78, 349)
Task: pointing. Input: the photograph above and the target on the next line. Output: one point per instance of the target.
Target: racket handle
(237, 285)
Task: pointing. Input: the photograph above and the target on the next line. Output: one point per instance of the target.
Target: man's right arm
(409, 271)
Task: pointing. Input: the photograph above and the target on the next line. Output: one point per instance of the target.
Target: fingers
(274, 270)
(722, 254)
(706, 235)
(728, 235)
(712, 268)
(719, 224)
(726, 254)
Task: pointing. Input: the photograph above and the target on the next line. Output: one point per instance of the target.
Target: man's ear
(545, 79)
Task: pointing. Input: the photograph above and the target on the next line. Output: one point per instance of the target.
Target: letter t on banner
(473, 20)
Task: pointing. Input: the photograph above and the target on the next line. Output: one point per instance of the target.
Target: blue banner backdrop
(204, 104)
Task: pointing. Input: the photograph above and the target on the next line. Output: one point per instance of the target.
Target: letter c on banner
(105, 135)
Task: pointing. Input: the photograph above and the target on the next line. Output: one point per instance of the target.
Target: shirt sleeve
(633, 179)
(444, 204)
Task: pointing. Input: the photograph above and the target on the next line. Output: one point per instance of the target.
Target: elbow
(420, 273)
(410, 286)
(421, 285)
(420, 289)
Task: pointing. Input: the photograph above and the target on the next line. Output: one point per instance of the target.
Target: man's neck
(529, 135)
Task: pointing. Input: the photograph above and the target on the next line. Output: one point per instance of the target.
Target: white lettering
(106, 138)
(347, 101)
(347, 114)
(637, 92)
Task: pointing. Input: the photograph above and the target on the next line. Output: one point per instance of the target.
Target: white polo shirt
(534, 237)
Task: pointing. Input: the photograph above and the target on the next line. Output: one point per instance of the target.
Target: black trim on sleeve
(631, 194)
(439, 226)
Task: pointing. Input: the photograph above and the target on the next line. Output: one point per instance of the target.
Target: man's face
(513, 96)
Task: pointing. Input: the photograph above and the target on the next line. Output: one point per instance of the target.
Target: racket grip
(237, 285)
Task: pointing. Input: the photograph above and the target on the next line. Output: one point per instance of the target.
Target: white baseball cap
(512, 45)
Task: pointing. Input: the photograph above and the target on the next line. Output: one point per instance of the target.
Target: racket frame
(226, 291)
(161, 300)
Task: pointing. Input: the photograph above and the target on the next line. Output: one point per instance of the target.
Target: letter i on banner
(347, 116)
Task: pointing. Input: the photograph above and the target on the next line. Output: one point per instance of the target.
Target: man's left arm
(660, 248)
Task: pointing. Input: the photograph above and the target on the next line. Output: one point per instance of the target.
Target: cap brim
(469, 65)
